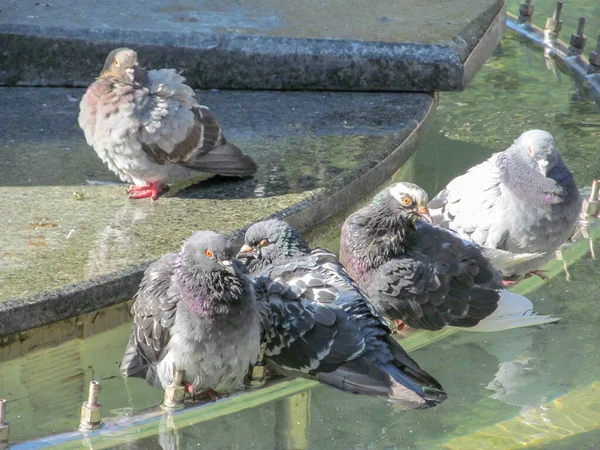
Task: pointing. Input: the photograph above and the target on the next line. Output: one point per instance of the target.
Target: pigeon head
(207, 252)
(536, 149)
(209, 275)
(373, 235)
(122, 64)
(410, 199)
(269, 241)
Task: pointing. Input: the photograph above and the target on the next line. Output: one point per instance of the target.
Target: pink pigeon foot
(148, 190)
(539, 273)
(211, 395)
(400, 325)
(189, 389)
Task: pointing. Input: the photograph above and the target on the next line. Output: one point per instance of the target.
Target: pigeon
(149, 129)
(195, 310)
(320, 326)
(521, 205)
(424, 275)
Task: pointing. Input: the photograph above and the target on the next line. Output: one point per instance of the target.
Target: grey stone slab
(392, 45)
(71, 240)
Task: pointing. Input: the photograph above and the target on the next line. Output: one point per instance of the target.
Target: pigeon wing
(304, 336)
(177, 130)
(471, 205)
(153, 313)
(442, 280)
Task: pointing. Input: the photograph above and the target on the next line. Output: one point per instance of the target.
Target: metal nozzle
(4, 426)
(91, 412)
(174, 392)
(557, 11)
(594, 59)
(256, 374)
(553, 24)
(592, 205)
(578, 40)
(526, 12)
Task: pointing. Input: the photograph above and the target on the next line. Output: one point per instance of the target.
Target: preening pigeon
(148, 127)
(320, 326)
(520, 205)
(195, 310)
(424, 275)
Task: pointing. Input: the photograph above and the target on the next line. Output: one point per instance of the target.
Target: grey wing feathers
(472, 212)
(440, 281)
(305, 336)
(413, 292)
(153, 314)
(175, 129)
(341, 341)
(204, 149)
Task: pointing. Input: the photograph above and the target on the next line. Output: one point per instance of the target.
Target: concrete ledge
(394, 47)
(319, 154)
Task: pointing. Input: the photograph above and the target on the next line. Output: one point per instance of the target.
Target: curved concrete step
(69, 247)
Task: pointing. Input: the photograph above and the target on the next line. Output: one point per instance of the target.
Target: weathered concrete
(393, 45)
(69, 246)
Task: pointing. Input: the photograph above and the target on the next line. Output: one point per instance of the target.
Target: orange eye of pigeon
(208, 252)
(406, 201)
(116, 63)
(530, 151)
(263, 243)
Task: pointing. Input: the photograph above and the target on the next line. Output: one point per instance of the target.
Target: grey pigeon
(520, 205)
(320, 326)
(195, 310)
(148, 127)
(424, 275)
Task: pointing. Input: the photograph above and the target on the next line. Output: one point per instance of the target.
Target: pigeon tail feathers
(504, 259)
(226, 159)
(361, 376)
(133, 364)
(514, 311)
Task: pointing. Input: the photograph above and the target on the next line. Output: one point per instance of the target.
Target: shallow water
(505, 389)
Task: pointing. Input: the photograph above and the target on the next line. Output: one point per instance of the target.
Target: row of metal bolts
(91, 413)
(553, 27)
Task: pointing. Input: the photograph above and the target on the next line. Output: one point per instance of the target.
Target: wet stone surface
(65, 218)
(256, 44)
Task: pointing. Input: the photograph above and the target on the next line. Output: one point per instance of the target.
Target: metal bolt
(578, 39)
(594, 59)
(91, 412)
(4, 426)
(592, 205)
(553, 24)
(526, 11)
(174, 392)
(256, 374)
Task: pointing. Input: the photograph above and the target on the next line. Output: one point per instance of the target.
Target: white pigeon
(520, 205)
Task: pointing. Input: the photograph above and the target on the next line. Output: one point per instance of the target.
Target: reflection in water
(114, 244)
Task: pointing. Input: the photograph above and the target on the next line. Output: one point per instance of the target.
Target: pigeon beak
(130, 73)
(247, 253)
(424, 213)
(227, 265)
(543, 167)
